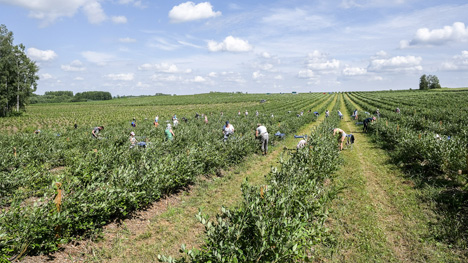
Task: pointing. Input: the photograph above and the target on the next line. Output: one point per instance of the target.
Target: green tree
(423, 83)
(17, 74)
(433, 82)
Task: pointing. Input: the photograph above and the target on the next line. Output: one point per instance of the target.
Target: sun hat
(132, 133)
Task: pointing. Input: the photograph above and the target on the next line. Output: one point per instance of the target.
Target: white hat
(132, 133)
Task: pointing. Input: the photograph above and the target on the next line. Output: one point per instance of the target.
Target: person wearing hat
(169, 133)
(262, 133)
(341, 138)
(133, 140)
(228, 129)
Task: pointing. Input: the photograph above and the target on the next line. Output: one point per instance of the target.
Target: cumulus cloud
(354, 71)
(318, 61)
(94, 12)
(42, 55)
(457, 32)
(199, 79)
(46, 76)
(395, 64)
(190, 11)
(458, 62)
(121, 76)
(163, 68)
(306, 74)
(257, 75)
(98, 58)
(230, 44)
(127, 40)
(75, 65)
(119, 19)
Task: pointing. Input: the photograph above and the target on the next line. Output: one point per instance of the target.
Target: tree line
(17, 75)
(67, 96)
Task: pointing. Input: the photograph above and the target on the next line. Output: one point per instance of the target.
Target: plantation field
(62, 185)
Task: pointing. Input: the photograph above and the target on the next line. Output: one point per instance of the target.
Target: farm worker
(316, 113)
(206, 119)
(133, 140)
(397, 110)
(184, 119)
(341, 138)
(156, 121)
(228, 129)
(169, 133)
(96, 131)
(256, 113)
(377, 112)
(355, 114)
(327, 113)
(76, 126)
(37, 131)
(272, 115)
(246, 113)
(262, 133)
(366, 123)
(133, 124)
(174, 120)
(301, 144)
(340, 114)
(238, 113)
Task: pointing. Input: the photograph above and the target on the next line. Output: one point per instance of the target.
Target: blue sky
(142, 47)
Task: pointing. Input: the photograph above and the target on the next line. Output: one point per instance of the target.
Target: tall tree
(17, 74)
(423, 83)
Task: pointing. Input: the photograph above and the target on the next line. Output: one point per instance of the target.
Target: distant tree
(17, 74)
(423, 83)
(433, 82)
(93, 95)
(59, 93)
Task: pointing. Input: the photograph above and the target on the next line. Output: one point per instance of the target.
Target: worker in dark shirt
(366, 123)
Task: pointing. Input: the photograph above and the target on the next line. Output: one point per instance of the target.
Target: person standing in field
(340, 114)
(366, 123)
(96, 131)
(156, 121)
(262, 133)
(341, 138)
(355, 114)
(133, 140)
(228, 129)
(206, 119)
(169, 133)
(246, 113)
(327, 113)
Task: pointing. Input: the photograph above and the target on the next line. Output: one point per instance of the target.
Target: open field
(395, 196)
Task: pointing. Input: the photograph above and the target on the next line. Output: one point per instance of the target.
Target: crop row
(281, 221)
(58, 186)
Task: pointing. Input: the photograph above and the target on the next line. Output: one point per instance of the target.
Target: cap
(132, 133)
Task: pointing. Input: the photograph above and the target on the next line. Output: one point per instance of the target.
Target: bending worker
(366, 123)
(341, 138)
(263, 133)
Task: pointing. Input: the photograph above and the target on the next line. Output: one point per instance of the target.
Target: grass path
(378, 216)
(162, 228)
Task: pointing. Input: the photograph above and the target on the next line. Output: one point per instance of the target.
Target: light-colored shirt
(301, 144)
(261, 130)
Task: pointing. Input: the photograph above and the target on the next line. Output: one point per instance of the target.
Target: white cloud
(296, 19)
(455, 33)
(42, 55)
(97, 57)
(163, 68)
(79, 78)
(395, 64)
(230, 44)
(199, 79)
(122, 76)
(127, 40)
(46, 76)
(318, 61)
(75, 65)
(354, 71)
(119, 19)
(306, 74)
(188, 11)
(458, 62)
(213, 74)
(278, 77)
(266, 55)
(161, 43)
(94, 12)
(257, 75)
